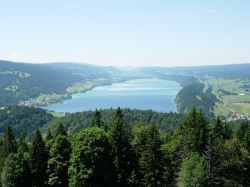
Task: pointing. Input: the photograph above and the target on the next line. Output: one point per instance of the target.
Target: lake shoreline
(49, 99)
(168, 88)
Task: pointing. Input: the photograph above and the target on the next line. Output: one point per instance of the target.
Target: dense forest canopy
(76, 121)
(25, 120)
(115, 151)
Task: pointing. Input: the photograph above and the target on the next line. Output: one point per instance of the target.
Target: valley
(217, 90)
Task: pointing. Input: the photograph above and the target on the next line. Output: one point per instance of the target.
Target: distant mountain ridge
(222, 71)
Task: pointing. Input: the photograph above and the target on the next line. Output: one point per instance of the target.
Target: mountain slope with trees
(23, 81)
(23, 120)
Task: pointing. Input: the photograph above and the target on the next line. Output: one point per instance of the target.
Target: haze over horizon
(128, 33)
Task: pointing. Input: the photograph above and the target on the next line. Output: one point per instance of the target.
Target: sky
(126, 32)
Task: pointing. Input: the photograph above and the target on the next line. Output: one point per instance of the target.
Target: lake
(154, 94)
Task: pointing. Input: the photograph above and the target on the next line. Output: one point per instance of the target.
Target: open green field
(57, 114)
(233, 95)
(81, 87)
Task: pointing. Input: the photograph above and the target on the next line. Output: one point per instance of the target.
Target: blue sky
(126, 32)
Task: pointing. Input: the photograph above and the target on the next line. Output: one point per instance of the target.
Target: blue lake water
(154, 94)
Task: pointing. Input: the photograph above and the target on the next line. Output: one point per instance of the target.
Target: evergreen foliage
(23, 144)
(58, 162)
(151, 162)
(91, 160)
(192, 172)
(16, 171)
(199, 152)
(49, 135)
(194, 130)
(38, 160)
(23, 120)
(9, 142)
(60, 130)
(121, 149)
(97, 122)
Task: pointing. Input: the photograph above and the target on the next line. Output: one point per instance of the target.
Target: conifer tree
(235, 163)
(218, 129)
(9, 142)
(246, 139)
(59, 162)
(2, 159)
(244, 134)
(121, 149)
(194, 130)
(192, 171)
(97, 122)
(213, 162)
(16, 171)
(220, 132)
(151, 159)
(60, 130)
(23, 144)
(49, 135)
(213, 154)
(38, 159)
(49, 139)
(91, 161)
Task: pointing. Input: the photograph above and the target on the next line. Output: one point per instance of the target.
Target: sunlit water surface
(154, 94)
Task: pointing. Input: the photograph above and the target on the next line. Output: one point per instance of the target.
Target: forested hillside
(198, 96)
(199, 152)
(19, 81)
(23, 120)
(23, 81)
(75, 122)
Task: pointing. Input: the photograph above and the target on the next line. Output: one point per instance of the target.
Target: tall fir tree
(235, 163)
(213, 162)
(246, 139)
(49, 139)
(23, 144)
(61, 130)
(220, 131)
(194, 130)
(58, 162)
(217, 137)
(49, 135)
(192, 172)
(121, 149)
(9, 142)
(38, 160)
(97, 122)
(244, 134)
(91, 161)
(16, 171)
(151, 159)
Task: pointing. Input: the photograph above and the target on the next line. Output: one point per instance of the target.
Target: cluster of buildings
(238, 116)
